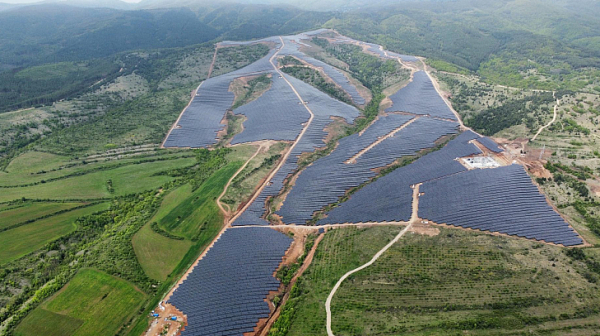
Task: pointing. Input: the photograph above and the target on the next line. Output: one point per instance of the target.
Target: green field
(28, 169)
(125, 180)
(247, 180)
(185, 213)
(25, 239)
(454, 283)
(43, 322)
(158, 254)
(191, 216)
(30, 211)
(32, 162)
(92, 303)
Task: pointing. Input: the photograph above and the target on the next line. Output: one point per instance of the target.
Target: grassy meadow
(453, 283)
(32, 210)
(199, 211)
(25, 239)
(92, 303)
(125, 180)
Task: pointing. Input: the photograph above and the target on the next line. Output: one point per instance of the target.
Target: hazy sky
(30, 1)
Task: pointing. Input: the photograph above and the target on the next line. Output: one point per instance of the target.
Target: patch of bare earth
(239, 87)
(164, 322)
(300, 235)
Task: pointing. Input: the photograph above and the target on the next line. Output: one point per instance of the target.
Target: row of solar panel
(328, 179)
(390, 197)
(420, 97)
(502, 200)
(225, 293)
(291, 48)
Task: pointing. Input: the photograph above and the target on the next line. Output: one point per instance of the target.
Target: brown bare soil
(385, 104)
(335, 129)
(596, 189)
(425, 229)
(519, 150)
(263, 328)
(163, 321)
(378, 141)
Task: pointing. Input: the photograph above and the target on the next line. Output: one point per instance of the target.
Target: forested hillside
(56, 33)
(530, 44)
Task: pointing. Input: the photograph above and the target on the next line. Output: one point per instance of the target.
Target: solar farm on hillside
(415, 161)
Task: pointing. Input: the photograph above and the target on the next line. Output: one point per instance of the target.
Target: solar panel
(226, 291)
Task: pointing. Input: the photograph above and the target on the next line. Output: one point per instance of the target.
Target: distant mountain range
(464, 32)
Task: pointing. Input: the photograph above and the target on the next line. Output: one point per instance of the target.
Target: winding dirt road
(414, 218)
(551, 121)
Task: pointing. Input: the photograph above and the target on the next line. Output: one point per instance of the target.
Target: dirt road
(227, 213)
(436, 85)
(551, 121)
(380, 140)
(414, 218)
(212, 64)
(304, 267)
(285, 157)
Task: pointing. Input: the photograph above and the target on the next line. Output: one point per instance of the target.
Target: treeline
(514, 112)
(315, 79)
(370, 70)
(156, 228)
(207, 162)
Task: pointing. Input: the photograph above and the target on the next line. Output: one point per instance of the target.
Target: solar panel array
(201, 120)
(501, 200)
(376, 49)
(291, 49)
(274, 116)
(323, 108)
(490, 144)
(225, 293)
(328, 179)
(420, 97)
(389, 198)
(405, 58)
(278, 114)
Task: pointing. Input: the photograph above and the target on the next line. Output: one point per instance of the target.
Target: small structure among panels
(500, 200)
(327, 179)
(389, 199)
(225, 293)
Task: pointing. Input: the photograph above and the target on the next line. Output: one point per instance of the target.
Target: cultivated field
(24, 212)
(27, 238)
